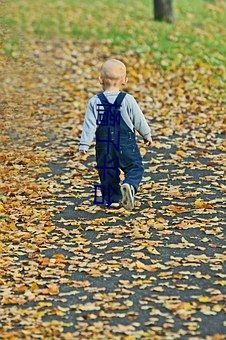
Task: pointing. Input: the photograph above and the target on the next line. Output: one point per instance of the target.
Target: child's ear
(101, 80)
(125, 81)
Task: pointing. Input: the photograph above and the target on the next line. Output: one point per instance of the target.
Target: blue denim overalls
(116, 149)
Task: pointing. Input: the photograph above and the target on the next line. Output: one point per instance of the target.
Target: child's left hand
(148, 141)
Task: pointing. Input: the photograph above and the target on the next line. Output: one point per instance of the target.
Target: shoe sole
(127, 196)
(115, 205)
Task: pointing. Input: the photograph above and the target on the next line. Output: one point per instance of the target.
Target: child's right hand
(148, 141)
(83, 152)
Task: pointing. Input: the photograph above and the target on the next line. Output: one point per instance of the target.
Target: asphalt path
(156, 272)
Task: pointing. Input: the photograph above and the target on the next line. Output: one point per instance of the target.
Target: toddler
(114, 116)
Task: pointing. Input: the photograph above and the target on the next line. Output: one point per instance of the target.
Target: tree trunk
(163, 10)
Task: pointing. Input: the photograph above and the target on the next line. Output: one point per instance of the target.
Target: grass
(197, 33)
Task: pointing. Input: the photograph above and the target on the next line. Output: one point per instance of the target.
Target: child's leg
(109, 178)
(131, 164)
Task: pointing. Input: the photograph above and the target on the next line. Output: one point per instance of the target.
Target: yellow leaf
(204, 299)
(187, 306)
(153, 251)
(115, 250)
(158, 289)
(78, 239)
(100, 221)
(44, 304)
(155, 161)
(34, 286)
(143, 151)
(222, 282)
(38, 315)
(55, 323)
(53, 289)
(160, 227)
(217, 308)
(68, 336)
(1, 208)
(192, 326)
(140, 265)
(20, 289)
(67, 324)
(199, 204)
(59, 257)
(181, 154)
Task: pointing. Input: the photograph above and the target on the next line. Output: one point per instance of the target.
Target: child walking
(114, 116)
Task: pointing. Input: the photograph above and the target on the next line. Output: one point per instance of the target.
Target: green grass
(198, 30)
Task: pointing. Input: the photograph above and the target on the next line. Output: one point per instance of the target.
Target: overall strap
(103, 99)
(118, 100)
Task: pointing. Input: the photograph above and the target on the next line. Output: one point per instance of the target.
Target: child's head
(113, 75)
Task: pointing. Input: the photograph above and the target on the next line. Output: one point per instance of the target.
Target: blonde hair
(113, 71)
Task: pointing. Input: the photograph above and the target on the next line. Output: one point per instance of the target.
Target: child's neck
(112, 89)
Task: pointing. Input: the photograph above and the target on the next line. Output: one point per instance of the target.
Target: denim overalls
(116, 149)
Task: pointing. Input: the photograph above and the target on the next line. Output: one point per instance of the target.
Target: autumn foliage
(73, 270)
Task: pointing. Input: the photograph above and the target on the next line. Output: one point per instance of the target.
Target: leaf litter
(70, 269)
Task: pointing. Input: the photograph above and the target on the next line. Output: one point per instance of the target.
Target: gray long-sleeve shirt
(129, 111)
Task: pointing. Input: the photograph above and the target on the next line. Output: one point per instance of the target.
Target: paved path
(156, 272)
